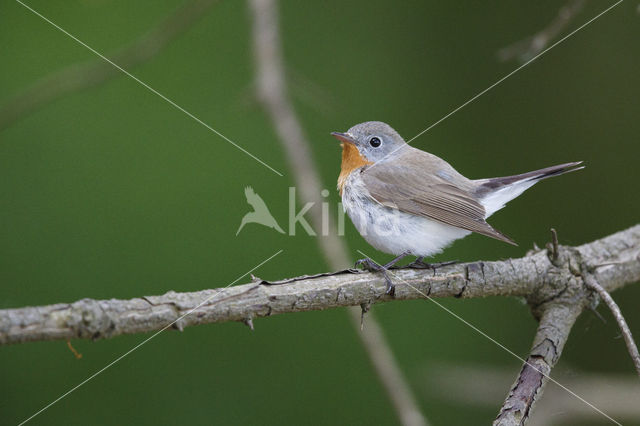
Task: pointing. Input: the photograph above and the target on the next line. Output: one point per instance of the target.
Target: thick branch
(558, 314)
(532, 276)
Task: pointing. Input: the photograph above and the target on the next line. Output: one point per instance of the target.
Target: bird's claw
(368, 265)
(371, 266)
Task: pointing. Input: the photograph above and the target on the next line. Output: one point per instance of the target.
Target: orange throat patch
(351, 160)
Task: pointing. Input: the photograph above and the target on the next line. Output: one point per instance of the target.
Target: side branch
(533, 274)
(553, 332)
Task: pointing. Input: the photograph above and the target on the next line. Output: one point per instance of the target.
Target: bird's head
(365, 144)
(372, 140)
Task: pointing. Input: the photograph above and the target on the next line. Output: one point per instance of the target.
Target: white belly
(392, 231)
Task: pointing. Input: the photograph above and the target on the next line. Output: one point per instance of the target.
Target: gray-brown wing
(427, 186)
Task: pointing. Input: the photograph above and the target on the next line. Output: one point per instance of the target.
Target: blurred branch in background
(272, 93)
(482, 386)
(85, 75)
(553, 283)
(531, 46)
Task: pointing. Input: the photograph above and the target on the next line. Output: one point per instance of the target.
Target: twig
(532, 45)
(272, 92)
(82, 76)
(529, 275)
(592, 283)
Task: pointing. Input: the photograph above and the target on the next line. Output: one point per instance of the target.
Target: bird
(260, 213)
(408, 202)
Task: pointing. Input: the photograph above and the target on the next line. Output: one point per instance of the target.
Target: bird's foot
(371, 266)
(419, 263)
(368, 265)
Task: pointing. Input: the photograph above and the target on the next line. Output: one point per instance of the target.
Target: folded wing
(421, 184)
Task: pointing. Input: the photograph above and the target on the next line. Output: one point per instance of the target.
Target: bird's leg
(372, 266)
(419, 263)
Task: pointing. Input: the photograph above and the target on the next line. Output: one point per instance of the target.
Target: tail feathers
(494, 193)
(494, 184)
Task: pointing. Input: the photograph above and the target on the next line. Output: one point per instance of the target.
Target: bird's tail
(494, 193)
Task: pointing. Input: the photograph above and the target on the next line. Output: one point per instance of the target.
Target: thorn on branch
(553, 248)
(248, 322)
(365, 307)
(178, 325)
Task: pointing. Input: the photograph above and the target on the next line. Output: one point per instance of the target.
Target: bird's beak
(344, 137)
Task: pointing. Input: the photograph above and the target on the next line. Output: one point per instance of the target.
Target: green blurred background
(113, 193)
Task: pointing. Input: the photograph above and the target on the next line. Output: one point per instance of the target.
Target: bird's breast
(352, 160)
(391, 230)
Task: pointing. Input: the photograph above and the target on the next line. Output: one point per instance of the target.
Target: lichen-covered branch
(614, 260)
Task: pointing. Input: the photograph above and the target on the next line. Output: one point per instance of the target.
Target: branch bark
(532, 276)
(553, 332)
(558, 314)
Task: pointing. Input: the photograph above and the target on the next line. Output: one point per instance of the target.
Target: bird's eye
(374, 142)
